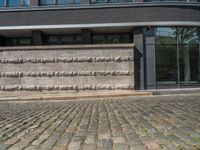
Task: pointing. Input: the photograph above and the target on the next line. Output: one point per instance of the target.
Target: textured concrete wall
(84, 67)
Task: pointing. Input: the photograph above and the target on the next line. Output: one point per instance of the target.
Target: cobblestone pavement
(132, 123)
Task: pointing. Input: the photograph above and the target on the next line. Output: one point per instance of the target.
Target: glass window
(112, 38)
(188, 35)
(64, 39)
(189, 64)
(99, 39)
(76, 1)
(47, 2)
(109, 1)
(11, 42)
(61, 2)
(1, 3)
(18, 41)
(26, 2)
(13, 3)
(25, 41)
(166, 36)
(166, 68)
(178, 56)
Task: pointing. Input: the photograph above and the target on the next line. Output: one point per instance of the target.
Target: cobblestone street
(132, 123)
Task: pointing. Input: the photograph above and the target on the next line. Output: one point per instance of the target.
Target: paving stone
(105, 144)
(133, 123)
(120, 147)
(74, 145)
(3, 146)
(32, 148)
(90, 146)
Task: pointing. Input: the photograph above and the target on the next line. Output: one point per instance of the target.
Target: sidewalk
(71, 95)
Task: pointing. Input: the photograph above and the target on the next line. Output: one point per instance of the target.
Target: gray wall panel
(101, 15)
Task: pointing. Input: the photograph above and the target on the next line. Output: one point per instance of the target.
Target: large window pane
(189, 64)
(112, 38)
(187, 35)
(166, 36)
(64, 39)
(178, 55)
(47, 2)
(12, 3)
(166, 63)
(1, 3)
(26, 2)
(62, 2)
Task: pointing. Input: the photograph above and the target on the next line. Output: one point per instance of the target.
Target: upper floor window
(14, 3)
(109, 1)
(59, 2)
(108, 38)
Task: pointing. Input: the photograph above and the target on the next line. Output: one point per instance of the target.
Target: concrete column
(86, 36)
(149, 40)
(38, 37)
(139, 58)
(34, 2)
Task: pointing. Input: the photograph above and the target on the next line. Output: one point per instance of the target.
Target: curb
(75, 96)
(174, 91)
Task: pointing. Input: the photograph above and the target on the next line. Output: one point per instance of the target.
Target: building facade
(148, 44)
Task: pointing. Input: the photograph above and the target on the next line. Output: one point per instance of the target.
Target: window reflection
(64, 39)
(26, 2)
(177, 55)
(109, 1)
(1, 3)
(47, 2)
(166, 36)
(112, 38)
(18, 41)
(59, 2)
(14, 3)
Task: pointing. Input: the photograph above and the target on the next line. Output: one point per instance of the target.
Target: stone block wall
(64, 68)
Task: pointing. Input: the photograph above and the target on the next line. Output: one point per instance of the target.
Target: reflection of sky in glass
(47, 2)
(1, 3)
(77, 1)
(170, 32)
(14, 3)
(184, 35)
(26, 2)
